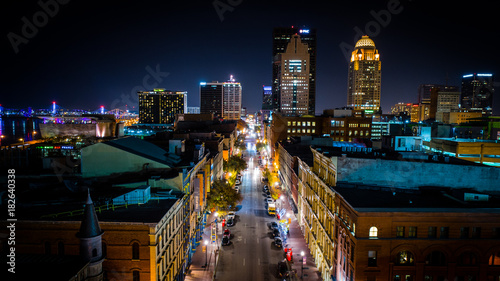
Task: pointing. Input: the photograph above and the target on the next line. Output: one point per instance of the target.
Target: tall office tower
(477, 92)
(267, 98)
(223, 99)
(160, 106)
(364, 79)
(294, 79)
(281, 38)
(424, 91)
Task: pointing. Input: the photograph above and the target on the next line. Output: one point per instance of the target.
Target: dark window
(464, 232)
(496, 231)
(372, 258)
(135, 251)
(60, 248)
(432, 231)
(436, 258)
(467, 258)
(476, 232)
(400, 231)
(136, 276)
(445, 232)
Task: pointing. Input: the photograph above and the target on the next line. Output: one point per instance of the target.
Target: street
(252, 254)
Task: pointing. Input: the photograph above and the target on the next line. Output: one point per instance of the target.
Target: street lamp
(302, 266)
(1, 138)
(22, 141)
(206, 252)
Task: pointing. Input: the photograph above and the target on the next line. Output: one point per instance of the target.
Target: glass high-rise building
(222, 99)
(160, 106)
(477, 92)
(267, 98)
(281, 39)
(364, 79)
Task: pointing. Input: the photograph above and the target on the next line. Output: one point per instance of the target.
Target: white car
(238, 182)
(237, 188)
(269, 200)
(231, 215)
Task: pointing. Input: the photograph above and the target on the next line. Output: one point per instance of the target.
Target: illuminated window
(313, 131)
(400, 231)
(494, 259)
(405, 258)
(412, 231)
(373, 233)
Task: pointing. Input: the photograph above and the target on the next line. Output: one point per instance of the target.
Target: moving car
(225, 241)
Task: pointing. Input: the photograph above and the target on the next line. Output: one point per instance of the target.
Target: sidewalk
(197, 269)
(297, 242)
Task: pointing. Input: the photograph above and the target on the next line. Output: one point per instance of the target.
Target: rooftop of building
(65, 202)
(300, 147)
(372, 198)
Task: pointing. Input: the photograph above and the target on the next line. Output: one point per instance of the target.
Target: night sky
(92, 53)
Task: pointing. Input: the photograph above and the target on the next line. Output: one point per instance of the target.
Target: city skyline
(105, 60)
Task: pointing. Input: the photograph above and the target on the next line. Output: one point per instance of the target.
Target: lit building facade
(364, 79)
(267, 98)
(477, 92)
(222, 99)
(281, 38)
(160, 106)
(294, 78)
(446, 103)
(362, 232)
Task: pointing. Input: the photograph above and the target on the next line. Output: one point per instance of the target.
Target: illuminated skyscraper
(477, 92)
(160, 106)
(293, 76)
(267, 98)
(223, 99)
(363, 89)
(281, 38)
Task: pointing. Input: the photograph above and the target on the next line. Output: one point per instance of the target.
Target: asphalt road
(252, 254)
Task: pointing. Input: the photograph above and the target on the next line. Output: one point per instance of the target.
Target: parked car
(237, 188)
(238, 182)
(274, 225)
(283, 269)
(269, 200)
(276, 233)
(230, 222)
(231, 215)
(278, 242)
(227, 233)
(225, 241)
